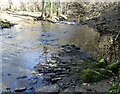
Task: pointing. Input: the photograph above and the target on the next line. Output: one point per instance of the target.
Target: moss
(88, 64)
(5, 24)
(115, 89)
(114, 67)
(105, 73)
(102, 63)
(91, 76)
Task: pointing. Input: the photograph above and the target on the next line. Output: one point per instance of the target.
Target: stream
(24, 45)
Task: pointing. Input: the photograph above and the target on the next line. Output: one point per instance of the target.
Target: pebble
(47, 78)
(20, 89)
(22, 77)
(51, 74)
(8, 74)
(84, 84)
(34, 72)
(54, 80)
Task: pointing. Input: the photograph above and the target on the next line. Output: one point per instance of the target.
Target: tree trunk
(51, 8)
(10, 4)
(61, 8)
(57, 8)
(43, 10)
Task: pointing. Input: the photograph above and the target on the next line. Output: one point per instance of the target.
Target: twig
(117, 36)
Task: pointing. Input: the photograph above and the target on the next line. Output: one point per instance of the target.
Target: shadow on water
(26, 45)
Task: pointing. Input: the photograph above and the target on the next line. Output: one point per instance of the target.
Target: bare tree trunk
(43, 9)
(22, 5)
(51, 7)
(57, 8)
(60, 8)
(10, 4)
(66, 6)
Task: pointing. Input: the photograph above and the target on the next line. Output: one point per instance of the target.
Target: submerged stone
(21, 77)
(49, 89)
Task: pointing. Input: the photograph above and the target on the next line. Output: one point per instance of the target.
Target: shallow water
(25, 44)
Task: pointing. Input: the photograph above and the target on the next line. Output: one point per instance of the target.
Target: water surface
(24, 45)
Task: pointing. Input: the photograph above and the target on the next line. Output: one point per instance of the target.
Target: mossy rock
(91, 76)
(115, 89)
(5, 24)
(114, 67)
(104, 72)
(102, 63)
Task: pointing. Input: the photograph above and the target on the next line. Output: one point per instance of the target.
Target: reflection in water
(86, 38)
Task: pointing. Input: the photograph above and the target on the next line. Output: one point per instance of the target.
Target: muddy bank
(107, 24)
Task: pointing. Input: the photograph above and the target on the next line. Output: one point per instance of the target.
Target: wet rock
(64, 83)
(47, 70)
(30, 88)
(63, 64)
(20, 89)
(21, 77)
(80, 89)
(34, 77)
(53, 65)
(58, 70)
(67, 50)
(50, 89)
(9, 36)
(39, 69)
(84, 84)
(47, 78)
(54, 80)
(51, 75)
(60, 73)
(69, 89)
(52, 60)
(8, 74)
(8, 89)
(34, 72)
(65, 45)
(33, 81)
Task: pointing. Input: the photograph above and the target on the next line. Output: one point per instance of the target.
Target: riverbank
(108, 24)
(61, 19)
(65, 72)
